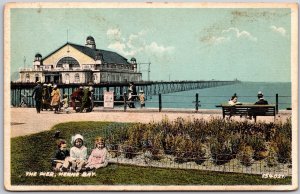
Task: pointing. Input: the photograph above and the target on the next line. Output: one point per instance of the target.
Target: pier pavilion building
(72, 63)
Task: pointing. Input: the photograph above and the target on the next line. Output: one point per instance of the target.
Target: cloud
(136, 44)
(279, 30)
(156, 48)
(235, 32)
(117, 46)
(228, 35)
(114, 34)
(215, 40)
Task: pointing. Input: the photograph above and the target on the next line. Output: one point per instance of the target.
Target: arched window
(67, 78)
(95, 78)
(37, 77)
(73, 63)
(77, 78)
(27, 77)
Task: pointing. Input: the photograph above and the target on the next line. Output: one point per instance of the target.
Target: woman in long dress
(55, 101)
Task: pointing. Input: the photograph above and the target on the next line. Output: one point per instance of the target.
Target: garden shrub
(257, 142)
(245, 155)
(220, 151)
(272, 158)
(199, 151)
(194, 139)
(168, 143)
(284, 148)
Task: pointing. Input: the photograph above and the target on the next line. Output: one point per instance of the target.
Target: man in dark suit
(261, 100)
(132, 90)
(37, 94)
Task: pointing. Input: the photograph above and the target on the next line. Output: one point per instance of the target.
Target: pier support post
(159, 102)
(276, 104)
(197, 102)
(125, 103)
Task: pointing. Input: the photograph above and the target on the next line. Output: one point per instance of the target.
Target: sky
(180, 43)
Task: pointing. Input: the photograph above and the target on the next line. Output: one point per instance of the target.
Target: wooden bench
(248, 110)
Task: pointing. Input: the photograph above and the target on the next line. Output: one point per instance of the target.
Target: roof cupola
(90, 42)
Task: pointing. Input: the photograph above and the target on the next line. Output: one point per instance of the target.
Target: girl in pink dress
(98, 157)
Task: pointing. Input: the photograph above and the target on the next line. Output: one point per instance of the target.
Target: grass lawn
(33, 153)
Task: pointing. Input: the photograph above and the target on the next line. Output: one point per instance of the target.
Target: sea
(210, 97)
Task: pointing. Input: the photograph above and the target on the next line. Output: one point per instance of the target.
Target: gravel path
(25, 121)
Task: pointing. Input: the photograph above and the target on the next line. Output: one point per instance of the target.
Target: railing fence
(237, 163)
(23, 98)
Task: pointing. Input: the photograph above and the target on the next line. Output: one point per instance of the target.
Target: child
(78, 153)
(98, 157)
(65, 103)
(62, 156)
(142, 98)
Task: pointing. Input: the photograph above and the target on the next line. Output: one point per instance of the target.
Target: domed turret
(90, 38)
(133, 60)
(37, 63)
(38, 57)
(133, 64)
(90, 42)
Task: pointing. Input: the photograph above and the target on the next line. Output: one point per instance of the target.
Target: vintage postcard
(150, 96)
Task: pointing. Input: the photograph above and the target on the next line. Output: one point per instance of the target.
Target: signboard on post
(108, 99)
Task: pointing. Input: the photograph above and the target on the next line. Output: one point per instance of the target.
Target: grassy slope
(33, 153)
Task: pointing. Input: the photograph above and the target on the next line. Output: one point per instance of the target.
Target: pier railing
(166, 101)
(150, 88)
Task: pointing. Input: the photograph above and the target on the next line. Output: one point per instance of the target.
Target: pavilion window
(73, 63)
(77, 78)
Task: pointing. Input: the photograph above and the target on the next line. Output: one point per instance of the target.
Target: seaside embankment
(25, 121)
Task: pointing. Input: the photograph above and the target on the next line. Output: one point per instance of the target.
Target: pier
(150, 88)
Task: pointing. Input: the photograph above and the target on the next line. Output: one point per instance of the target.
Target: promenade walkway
(25, 121)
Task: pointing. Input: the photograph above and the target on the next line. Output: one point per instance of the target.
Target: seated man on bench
(261, 100)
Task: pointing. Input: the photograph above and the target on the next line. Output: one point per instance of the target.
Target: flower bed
(197, 143)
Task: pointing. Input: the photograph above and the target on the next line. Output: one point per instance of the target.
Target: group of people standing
(84, 95)
(77, 160)
(47, 96)
(132, 96)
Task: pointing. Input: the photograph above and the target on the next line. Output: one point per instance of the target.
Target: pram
(24, 101)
